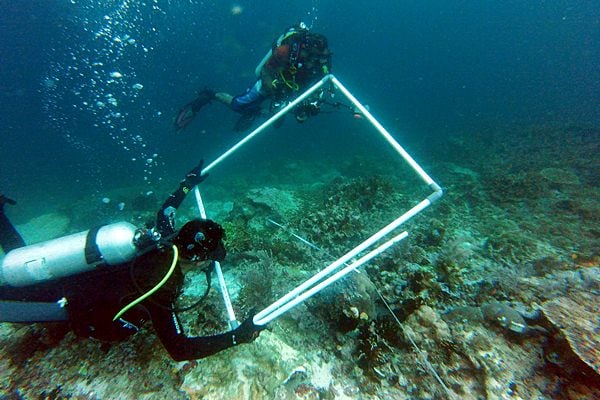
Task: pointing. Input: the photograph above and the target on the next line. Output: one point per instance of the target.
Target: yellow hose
(289, 83)
(153, 290)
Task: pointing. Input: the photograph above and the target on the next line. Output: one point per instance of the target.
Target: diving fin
(187, 113)
(184, 117)
(204, 97)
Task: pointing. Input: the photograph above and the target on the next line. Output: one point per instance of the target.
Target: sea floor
(494, 293)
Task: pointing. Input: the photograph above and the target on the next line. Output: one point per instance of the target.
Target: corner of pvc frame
(332, 79)
(437, 192)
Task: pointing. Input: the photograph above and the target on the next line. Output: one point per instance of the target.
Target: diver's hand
(247, 331)
(194, 177)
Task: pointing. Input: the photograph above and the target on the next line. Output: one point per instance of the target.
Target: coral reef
(559, 176)
(280, 203)
(577, 320)
(505, 317)
(44, 227)
(347, 303)
(494, 293)
(258, 280)
(347, 210)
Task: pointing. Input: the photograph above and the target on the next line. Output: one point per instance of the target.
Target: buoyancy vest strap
(92, 252)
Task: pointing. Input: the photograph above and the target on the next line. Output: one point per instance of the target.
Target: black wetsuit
(94, 298)
(9, 237)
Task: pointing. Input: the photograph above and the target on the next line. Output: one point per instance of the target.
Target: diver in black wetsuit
(102, 303)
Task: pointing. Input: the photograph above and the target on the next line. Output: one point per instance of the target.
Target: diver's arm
(182, 348)
(10, 239)
(165, 218)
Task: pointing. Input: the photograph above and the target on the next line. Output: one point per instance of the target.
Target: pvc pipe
(267, 123)
(224, 292)
(383, 131)
(261, 319)
(335, 265)
(261, 316)
(438, 192)
(199, 201)
(233, 323)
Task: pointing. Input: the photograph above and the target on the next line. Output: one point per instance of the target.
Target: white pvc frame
(328, 275)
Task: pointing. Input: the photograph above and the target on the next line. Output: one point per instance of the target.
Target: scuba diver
(297, 60)
(107, 281)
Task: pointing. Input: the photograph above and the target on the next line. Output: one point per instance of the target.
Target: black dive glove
(193, 177)
(247, 331)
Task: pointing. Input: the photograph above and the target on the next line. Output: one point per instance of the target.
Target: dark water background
(428, 69)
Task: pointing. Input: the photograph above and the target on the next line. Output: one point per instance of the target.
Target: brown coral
(578, 321)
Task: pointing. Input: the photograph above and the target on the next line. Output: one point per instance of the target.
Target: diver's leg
(204, 97)
(9, 237)
(250, 101)
(224, 98)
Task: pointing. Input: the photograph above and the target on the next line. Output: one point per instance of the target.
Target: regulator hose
(154, 289)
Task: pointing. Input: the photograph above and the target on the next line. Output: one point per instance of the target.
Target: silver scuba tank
(69, 255)
(262, 63)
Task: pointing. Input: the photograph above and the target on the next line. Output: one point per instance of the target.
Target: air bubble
(101, 59)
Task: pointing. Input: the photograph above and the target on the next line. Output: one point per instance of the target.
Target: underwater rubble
(494, 294)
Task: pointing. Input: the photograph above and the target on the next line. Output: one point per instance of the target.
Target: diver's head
(316, 43)
(315, 51)
(201, 239)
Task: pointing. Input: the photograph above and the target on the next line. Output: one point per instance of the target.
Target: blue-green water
(428, 69)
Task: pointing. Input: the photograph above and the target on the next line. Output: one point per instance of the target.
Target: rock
(505, 317)
(579, 321)
(465, 314)
(45, 227)
(427, 323)
(266, 369)
(560, 176)
(346, 303)
(277, 201)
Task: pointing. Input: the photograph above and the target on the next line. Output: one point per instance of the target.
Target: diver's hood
(201, 239)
